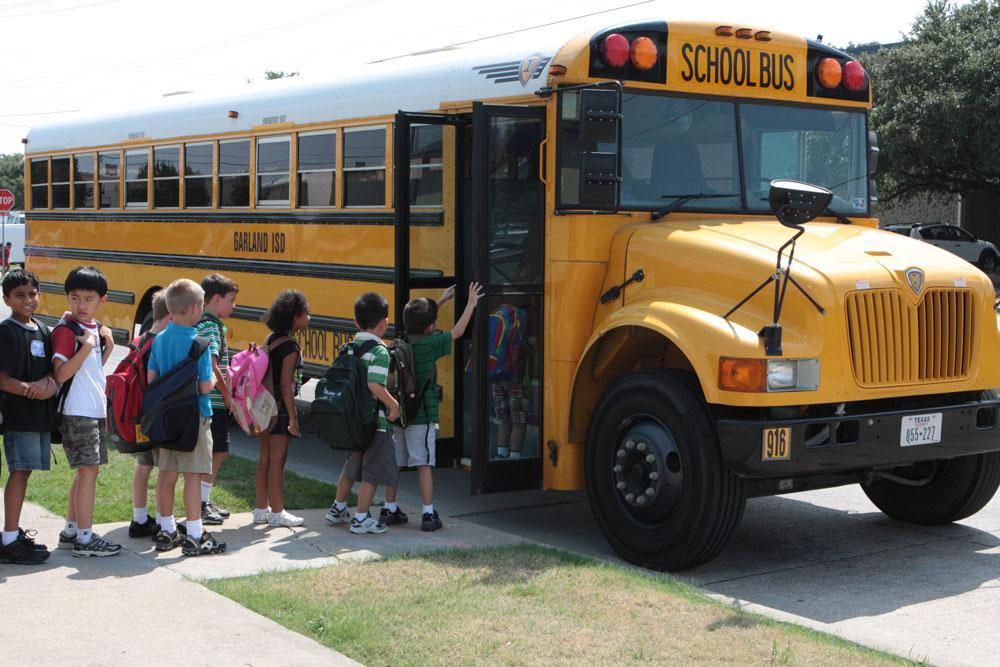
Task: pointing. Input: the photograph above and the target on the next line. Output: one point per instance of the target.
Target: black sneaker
(218, 510)
(66, 541)
(22, 551)
(29, 537)
(210, 517)
(96, 548)
(165, 541)
(430, 521)
(203, 547)
(392, 518)
(148, 529)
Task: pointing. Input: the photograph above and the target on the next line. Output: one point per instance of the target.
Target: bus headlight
(792, 374)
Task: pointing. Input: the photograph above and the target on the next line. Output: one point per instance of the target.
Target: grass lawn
(234, 488)
(520, 605)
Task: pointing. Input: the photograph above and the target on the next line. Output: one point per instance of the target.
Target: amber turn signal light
(742, 374)
(644, 53)
(829, 72)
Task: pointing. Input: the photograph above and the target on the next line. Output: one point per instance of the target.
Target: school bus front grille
(895, 343)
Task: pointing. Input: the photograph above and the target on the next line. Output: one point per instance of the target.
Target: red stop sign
(6, 200)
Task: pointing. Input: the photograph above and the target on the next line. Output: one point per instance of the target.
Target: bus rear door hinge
(615, 292)
(553, 452)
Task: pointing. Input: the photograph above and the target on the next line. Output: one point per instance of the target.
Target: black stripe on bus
(354, 272)
(425, 219)
(321, 322)
(114, 296)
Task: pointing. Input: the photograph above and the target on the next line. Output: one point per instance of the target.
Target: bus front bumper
(864, 441)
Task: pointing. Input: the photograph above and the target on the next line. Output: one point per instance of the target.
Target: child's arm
(446, 296)
(109, 344)
(19, 387)
(64, 370)
(151, 376)
(288, 392)
(205, 378)
(475, 294)
(382, 394)
(221, 383)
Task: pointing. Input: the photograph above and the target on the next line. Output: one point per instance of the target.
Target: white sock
(140, 514)
(194, 529)
(9, 537)
(391, 507)
(159, 519)
(84, 535)
(168, 524)
(70, 529)
(339, 506)
(360, 516)
(428, 508)
(206, 490)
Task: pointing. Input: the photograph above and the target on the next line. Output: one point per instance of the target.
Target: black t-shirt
(276, 359)
(20, 413)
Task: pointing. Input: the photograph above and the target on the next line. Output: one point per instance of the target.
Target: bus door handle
(541, 161)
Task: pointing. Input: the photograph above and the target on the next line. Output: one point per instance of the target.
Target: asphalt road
(827, 559)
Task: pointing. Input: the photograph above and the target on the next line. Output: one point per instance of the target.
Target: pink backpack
(253, 403)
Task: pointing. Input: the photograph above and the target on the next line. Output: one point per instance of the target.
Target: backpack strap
(198, 347)
(20, 351)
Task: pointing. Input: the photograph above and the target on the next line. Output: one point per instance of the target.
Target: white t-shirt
(86, 394)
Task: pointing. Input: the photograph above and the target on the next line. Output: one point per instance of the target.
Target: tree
(12, 175)
(937, 103)
(280, 74)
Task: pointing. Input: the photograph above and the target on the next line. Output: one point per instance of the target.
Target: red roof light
(854, 75)
(616, 50)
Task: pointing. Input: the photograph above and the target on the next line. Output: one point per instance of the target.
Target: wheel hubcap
(646, 470)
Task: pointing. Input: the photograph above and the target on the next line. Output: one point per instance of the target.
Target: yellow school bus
(688, 301)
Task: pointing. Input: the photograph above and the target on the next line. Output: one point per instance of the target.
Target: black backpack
(170, 414)
(344, 410)
(402, 380)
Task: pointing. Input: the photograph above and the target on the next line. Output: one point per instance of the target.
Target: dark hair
(218, 284)
(419, 314)
(288, 305)
(87, 278)
(370, 309)
(18, 278)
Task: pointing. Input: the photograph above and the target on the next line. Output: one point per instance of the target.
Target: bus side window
(234, 173)
(364, 166)
(39, 183)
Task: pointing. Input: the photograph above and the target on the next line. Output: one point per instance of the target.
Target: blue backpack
(170, 413)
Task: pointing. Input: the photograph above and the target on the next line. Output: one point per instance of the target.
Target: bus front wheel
(658, 487)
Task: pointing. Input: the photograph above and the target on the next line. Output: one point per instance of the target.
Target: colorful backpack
(124, 392)
(506, 343)
(254, 407)
(170, 413)
(344, 410)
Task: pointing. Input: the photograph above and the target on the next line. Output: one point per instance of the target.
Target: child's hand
(475, 294)
(109, 339)
(293, 426)
(44, 389)
(87, 337)
(447, 294)
(393, 412)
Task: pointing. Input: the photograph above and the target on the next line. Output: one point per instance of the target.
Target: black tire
(959, 488)
(988, 262)
(697, 501)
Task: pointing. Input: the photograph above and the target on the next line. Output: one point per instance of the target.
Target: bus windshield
(677, 148)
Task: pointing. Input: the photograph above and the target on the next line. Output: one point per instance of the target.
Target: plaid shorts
(511, 401)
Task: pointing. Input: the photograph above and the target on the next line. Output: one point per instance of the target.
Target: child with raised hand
(288, 315)
(416, 444)
(28, 409)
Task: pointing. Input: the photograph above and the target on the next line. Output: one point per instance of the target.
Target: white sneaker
(285, 518)
(261, 515)
(369, 525)
(503, 452)
(333, 515)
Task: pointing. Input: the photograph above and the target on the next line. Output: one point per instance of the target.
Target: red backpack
(124, 391)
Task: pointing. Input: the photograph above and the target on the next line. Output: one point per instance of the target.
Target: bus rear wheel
(949, 490)
(658, 487)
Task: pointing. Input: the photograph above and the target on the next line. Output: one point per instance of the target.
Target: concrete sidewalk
(109, 607)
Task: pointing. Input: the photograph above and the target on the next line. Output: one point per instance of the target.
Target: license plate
(777, 445)
(920, 430)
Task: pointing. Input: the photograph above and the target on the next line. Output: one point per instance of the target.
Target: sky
(62, 57)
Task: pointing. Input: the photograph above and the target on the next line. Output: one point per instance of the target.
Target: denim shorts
(27, 450)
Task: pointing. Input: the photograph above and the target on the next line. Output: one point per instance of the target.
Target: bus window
(60, 182)
(273, 169)
(137, 178)
(426, 159)
(364, 167)
(83, 180)
(40, 183)
(234, 173)
(166, 176)
(197, 175)
(108, 175)
(317, 184)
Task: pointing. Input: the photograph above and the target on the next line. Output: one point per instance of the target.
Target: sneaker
(218, 510)
(210, 517)
(203, 547)
(503, 452)
(430, 521)
(369, 525)
(261, 515)
(285, 518)
(392, 518)
(96, 547)
(334, 515)
(66, 541)
(165, 541)
(29, 537)
(148, 529)
(22, 551)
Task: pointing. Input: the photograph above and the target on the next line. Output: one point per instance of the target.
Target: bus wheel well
(614, 355)
(145, 307)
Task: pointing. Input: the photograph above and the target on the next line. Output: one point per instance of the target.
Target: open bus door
(503, 406)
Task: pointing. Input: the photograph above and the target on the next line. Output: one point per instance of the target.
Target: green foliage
(12, 175)
(937, 101)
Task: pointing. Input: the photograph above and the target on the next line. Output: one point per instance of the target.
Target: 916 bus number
(777, 444)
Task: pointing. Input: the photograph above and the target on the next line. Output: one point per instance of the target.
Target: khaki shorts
(376, 465)
(198, 460)
(415, 445)
(147, 458)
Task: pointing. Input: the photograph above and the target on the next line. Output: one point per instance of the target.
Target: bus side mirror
(599, 181)
(795, 203)
(872, 152)
(600, 128)
(600, 116)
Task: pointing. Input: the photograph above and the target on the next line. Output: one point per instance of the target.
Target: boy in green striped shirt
(220, 301)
